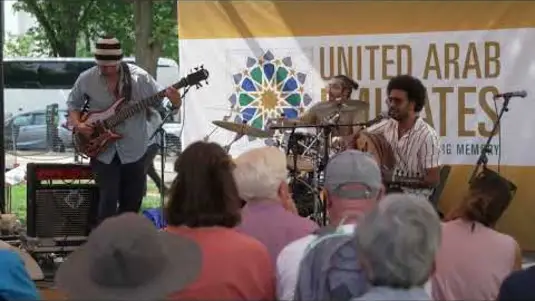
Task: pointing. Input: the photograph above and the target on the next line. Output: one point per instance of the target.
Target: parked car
(28, 131)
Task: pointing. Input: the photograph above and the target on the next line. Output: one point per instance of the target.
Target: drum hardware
(326, 130)
(236, 138)
(207, 137)
(243, 129)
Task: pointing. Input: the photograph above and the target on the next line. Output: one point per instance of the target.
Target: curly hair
(414, 88)
(487, 199)
(204, 192)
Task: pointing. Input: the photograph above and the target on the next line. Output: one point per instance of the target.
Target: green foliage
(69, 27)
(32, 43)
(116, 18)
(60, 21)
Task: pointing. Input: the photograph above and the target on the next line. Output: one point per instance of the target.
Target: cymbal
(243, 129)
(331, 107)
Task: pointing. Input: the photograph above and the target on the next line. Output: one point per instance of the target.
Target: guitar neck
(132, 108)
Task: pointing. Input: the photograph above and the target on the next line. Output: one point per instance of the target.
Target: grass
(18, 200)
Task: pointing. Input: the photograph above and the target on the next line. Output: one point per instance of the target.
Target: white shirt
(288, 263)
(416, 151)
(289, 260)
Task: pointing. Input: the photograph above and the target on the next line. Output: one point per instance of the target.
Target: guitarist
(414, 142)
(120, 169)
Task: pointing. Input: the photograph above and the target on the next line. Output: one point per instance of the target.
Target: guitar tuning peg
(206, 82)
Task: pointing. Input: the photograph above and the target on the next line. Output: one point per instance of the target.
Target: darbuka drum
(376, 145)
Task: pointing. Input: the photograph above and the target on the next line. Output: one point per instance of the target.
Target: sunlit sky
(15, 22)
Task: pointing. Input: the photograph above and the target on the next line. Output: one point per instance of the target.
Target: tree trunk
(147, 49)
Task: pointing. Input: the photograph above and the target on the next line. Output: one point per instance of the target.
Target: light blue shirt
(15, 283)
(133, 144)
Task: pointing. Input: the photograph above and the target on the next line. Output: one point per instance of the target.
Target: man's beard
(398, 116)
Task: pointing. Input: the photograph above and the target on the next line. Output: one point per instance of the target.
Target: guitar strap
(127, 82)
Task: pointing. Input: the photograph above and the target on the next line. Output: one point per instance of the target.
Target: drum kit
(307, 148)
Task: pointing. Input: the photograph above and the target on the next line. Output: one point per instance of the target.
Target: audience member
(474, 259)
(269, 214)
(518, 286)
(397, 244)
(204, 205)
(353, 186)
(15, 282)
(32, 267)
(127, 258)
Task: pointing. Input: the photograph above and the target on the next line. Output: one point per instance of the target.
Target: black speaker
(62, 201)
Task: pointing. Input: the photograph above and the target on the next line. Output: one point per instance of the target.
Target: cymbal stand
(292, 148)
(236, 138)
(483, 159)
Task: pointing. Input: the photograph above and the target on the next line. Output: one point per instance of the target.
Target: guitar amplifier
(62, 201)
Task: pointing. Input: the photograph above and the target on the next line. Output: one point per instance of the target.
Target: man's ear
(382, 192)
(284, 191)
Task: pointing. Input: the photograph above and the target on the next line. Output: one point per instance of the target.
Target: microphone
(379, 118)
(521, 94)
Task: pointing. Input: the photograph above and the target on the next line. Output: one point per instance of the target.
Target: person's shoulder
(10, 258)
(89, 73)
(295, 250)
(427, 128)
(135, 70)
(521, 277)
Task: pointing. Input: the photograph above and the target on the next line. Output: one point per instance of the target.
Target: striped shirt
(133, 144)
(415, 152)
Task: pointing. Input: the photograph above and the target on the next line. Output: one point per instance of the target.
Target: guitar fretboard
(132, 108)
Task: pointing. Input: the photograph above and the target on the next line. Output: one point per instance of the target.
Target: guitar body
(93, 145)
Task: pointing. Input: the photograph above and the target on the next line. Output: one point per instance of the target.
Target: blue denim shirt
(92, 84)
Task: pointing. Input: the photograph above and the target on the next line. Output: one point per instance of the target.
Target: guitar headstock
(195, 79)
(197, 76)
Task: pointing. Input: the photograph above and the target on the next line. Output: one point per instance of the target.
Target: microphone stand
(483, 159)
(162, 145)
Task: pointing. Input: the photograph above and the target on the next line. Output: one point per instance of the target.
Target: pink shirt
(274, 226)
(471, 265)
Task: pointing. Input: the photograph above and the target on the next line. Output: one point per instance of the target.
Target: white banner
(254, 79)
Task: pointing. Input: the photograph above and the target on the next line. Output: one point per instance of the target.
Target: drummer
(339, 90)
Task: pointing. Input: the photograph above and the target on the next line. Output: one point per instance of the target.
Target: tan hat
(31, 265)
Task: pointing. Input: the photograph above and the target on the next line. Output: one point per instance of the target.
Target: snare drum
(378, 146)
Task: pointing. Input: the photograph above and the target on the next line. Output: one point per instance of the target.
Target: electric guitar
(104, 122)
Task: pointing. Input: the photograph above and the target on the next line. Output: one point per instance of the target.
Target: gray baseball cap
(353, 174)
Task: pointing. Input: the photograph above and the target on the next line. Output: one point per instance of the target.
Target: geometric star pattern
(268, 88)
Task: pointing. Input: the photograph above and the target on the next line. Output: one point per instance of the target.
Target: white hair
(260, 172)
(398, 241)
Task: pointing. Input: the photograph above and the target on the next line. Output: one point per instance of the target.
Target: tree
(60, 20)
(32, 43)
(150, 34)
